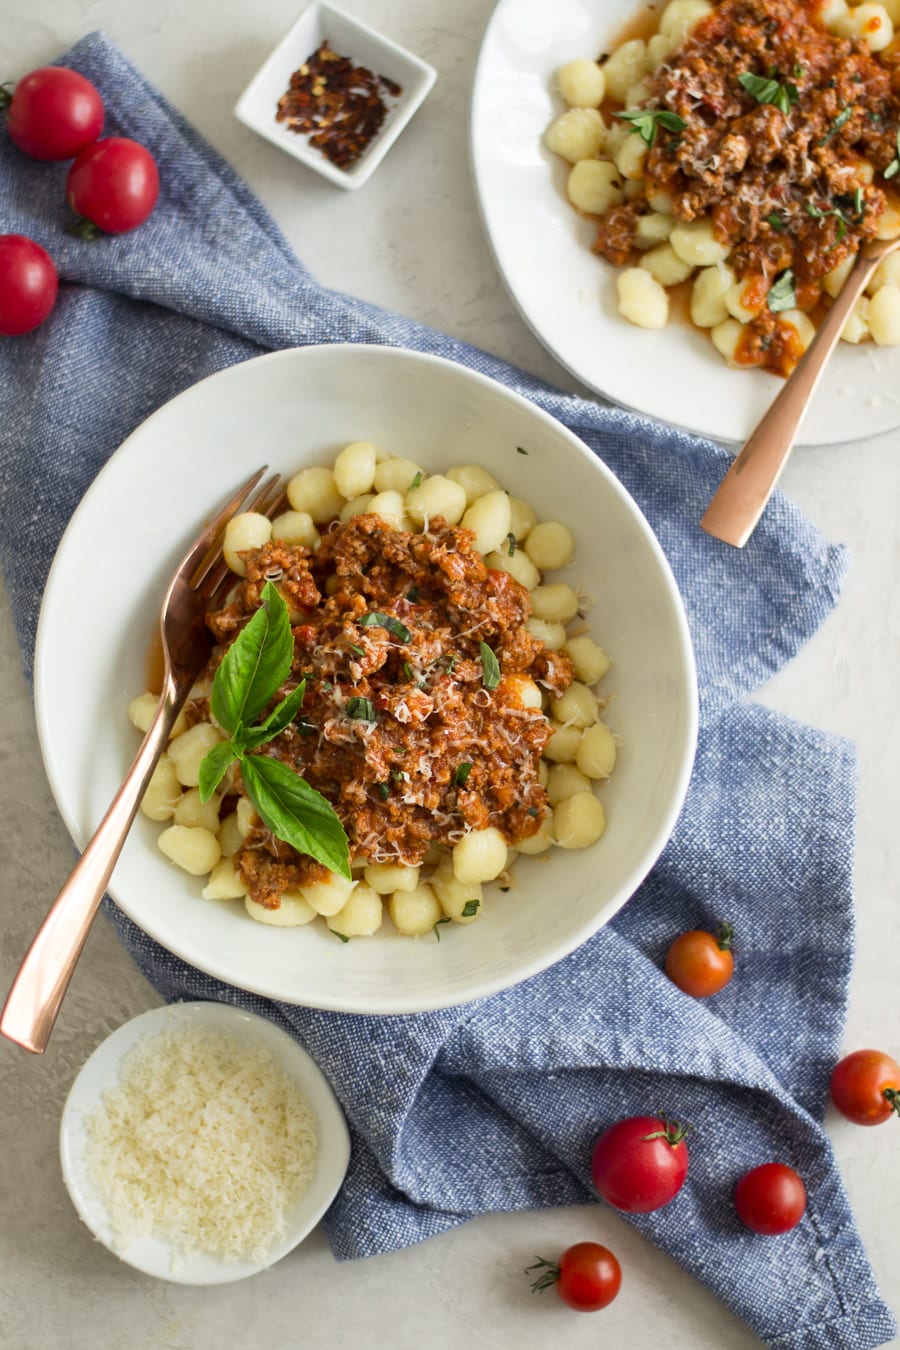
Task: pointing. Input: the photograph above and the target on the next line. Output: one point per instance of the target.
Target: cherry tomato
(641, 1163)
(865, 1087)
(28, 284)
(700, 963)
(54, 113)
(113, 184)
(770, 1199)
(587, 1277)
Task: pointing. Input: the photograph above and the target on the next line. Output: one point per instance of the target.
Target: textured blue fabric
(494, 1105)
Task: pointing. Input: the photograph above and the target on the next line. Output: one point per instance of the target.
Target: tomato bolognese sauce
(398, 701)
(398, 697)
(755, 149)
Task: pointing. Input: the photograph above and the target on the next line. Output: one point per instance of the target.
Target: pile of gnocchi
(607, 162)
(580, 754)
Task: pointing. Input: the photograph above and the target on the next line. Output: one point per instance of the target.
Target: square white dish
(348, 37)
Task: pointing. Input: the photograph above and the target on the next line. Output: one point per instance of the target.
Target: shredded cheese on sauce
(205, 1142)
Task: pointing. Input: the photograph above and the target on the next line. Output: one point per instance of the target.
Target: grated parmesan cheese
(205, 1142)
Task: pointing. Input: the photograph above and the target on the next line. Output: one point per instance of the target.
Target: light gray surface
(411, 239)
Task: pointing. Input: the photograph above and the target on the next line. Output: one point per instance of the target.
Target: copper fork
(741, 497)
(202, 579)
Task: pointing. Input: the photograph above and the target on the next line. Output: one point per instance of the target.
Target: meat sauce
(785, 189)
(392, 714)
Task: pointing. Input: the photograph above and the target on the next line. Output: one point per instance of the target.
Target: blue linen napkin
(494, 1105)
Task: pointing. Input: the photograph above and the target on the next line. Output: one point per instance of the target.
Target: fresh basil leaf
(296, 812)
(470, 908)
(214, 766)
(279, 717)
(781, 96)
(378, 620)
(462, 773)
(361, 709)
(255, 666)
(645, 121)
(782, 294)
(490, 667)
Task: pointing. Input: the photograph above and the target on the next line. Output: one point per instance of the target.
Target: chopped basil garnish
(781, 95)
(462, 773)
(434, 927)
(775, 220)
(841, 120)
(343, 936)
(645, 121)
(384, 791)
(409, 672)
(254, 668)
(894, 166)
(412, 595)
(782, 294)
(470, 908)
(520, 451)
(379, 620)
(360, 651)
(490, 667)
(417, 480)
(362, 709)
(511, 541)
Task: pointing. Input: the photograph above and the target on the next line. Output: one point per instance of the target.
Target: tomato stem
(724, 936)
(892, 1095)
(550, 1274)
(84, 229)
(673, 1131)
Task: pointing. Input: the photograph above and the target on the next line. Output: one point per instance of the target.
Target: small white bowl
(155, 1256)
(348, 37)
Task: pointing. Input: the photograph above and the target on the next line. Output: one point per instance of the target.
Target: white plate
(155, 1256)
(568, 295)
(299, 407)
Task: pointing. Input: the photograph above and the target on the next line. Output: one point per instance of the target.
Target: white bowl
(299, 407)
(155, 1256)
(348, 37)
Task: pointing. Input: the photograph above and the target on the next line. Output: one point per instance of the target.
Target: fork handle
(741, 497)
(39, 987)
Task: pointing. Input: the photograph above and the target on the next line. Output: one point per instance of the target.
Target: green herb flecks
(894, 167)
(436, 924)
(343, 936)
(520, 451)
(781, 94)
(254, 668)
(775, 220)
(462, 773)
(841, 120)
(384, 791)
(360, 651)
(378, 620)
(361, 709)
(645, 121)
(782, 294)
(490, 667)
(417, 480)
(511, 543)
(470, 909)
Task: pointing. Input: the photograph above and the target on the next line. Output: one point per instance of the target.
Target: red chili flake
(337, 104)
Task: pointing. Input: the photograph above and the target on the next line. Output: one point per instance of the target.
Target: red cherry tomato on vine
(865, 1087)
(587, 1277)
(113, 184)
(53, 113)
(701, 963)
(28, 284)
(770, 1199)
(641, 1163)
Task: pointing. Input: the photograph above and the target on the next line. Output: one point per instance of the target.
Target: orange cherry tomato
(701, 963)
(865, 1087)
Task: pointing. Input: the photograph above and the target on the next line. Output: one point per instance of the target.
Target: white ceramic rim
(154, 1256)
(343, 1000)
